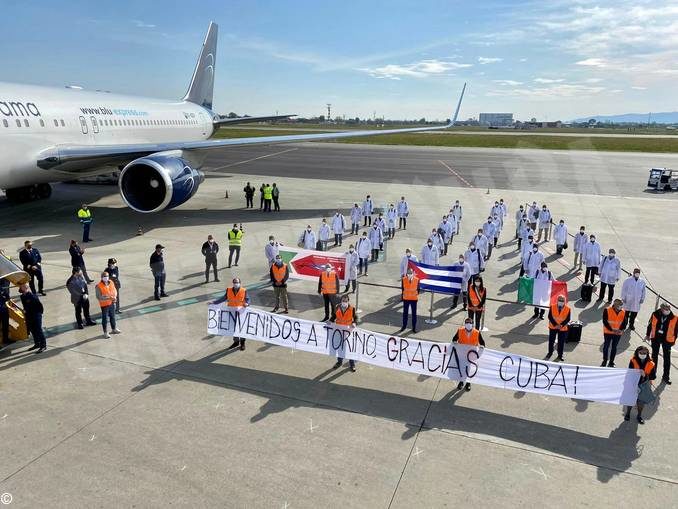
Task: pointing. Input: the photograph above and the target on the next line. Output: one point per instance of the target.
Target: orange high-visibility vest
(649, 366)
(344, 317)
(559, 316)
(236, 299)
(468, 338)
(329, 282)
(475, 298)
(107, 291)
(615, 320)
(670, 328)
(279, 272)
(410, 288)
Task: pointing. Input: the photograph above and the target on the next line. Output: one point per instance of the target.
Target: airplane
(52, 134)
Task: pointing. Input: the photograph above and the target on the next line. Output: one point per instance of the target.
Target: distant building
(496, 119)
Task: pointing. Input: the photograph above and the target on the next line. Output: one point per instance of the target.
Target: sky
(549, 59)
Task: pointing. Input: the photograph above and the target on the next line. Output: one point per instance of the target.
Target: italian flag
(540, 292)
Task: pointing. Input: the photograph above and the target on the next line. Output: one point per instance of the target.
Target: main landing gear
(29, 193)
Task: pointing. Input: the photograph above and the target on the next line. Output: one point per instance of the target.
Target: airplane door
(83, 125)
(95, 124)
(202, 123)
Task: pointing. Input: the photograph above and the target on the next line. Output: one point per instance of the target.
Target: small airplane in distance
(59, 134)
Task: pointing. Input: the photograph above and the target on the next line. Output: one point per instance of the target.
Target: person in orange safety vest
(641, 360)
(346, 315)
(235, 297)
(614, 323)
(409, 285)
(467, 335)
(328, 287)
(559, 317)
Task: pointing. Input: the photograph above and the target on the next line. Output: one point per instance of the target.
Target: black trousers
(4, 324)
(632, 319)
(407, 306)
(368, 221)
(211, 263)
(34, 326)
(276, 203)
(354, 228)
(610, 291)
(267, 205)
(338, 238)
(261, 201)
(464, 299)
(328, 300)
(520, 241)
(231, 250)
(590, 271)
(249, 201)
(475, 316)
(362, 261)
(539, 311)
(82, 307)
(159, 283)
(666, 353)
(562, 336)
(402, 223)
(610, 343)
(375, 255)
(36, 275)
(85, 231)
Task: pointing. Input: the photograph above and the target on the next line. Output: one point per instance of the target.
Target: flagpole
(431, 320)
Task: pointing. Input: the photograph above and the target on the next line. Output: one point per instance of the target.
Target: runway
(578, 172)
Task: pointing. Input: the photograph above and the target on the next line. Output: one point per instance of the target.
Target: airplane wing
(246, 120)
(76, 158)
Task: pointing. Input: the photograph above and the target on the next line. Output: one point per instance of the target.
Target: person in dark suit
(33, 311)
(4, 311)
(209, 251)
(31, 261)
(249, 195)
(77, 287)
(78, 260)
(157, 264)
(114, 273)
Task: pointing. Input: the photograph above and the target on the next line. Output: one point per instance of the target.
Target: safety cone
(488, 191)
(226, 195)
(140, 231)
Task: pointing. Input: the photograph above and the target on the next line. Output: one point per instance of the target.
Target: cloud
(592, 62)
(141, 24)
(523, 60)
(556, 91)
(639, 88)
(548, 80)
(488, 60)
(420, 69)
(512, 83)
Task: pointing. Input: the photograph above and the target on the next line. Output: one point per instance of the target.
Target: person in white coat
(489, 231)
(609, 271)
(532, 261)
(368, 208)
(544, 223)
(356, 216)
(376, 240)
(504, 209)
(430, 253)
(381, 224)
(338, 227)
(364, 249)
(438, 241)
(580, 241)
(404, 262)
(475, 260)
(446, 227)
(633, 296)
(452, 219)
(307, 239)
(481, 243)
(542, 273)
(519, 220)
(403, 212)
(496, 209)
(525, 251)
(498, 226)
(271, 250)
(391, 217)
(560, 236)
(591, 256)
(533, 215)
(524, 231)
(465, 278)
(458, 213)
(352, 261)
(324, 234)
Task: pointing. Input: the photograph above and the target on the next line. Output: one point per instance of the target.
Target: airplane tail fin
(201, 89)
(453, 120)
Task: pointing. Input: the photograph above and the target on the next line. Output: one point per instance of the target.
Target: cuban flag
(438, 279)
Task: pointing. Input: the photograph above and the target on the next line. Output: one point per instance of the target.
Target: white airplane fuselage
(34, 119)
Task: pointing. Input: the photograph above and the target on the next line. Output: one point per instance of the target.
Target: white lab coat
(498, 225)
(465, 275)
(533, 213)
(352, 263)
(496, 209)
(504, 209)
(324, 232)
(580, 242)
(525, 231)
(481, 243)
(519, 215)
(430, 255)
(391, 217)
(532, 262)
(454, 223)
(403, 209)
(475, 261)
(526, 248)
(368, 207)
(404, 263)
(633, 294)
(560, 234)
(438, 241)
(448, 230)
(592, 254)
(356, 215)
(609, 270)
(308, 239)
(381, 224)
(489, 230)
(546, 275)
(271, 251)
(338, 223)
(376, 236)
(364, 247)
(544, 218)
(458, 213)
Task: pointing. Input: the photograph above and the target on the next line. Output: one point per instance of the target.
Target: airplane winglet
(456, 112)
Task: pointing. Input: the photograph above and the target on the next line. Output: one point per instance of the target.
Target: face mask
(543, 269)
(535, 250)
(611, 256)
(544, 209)
(350, 250)
(279, 263)
(593, 240)
(468, 326)
(112, 265)
(665, 312)
(562, 224)
(364, 236)
(456, 203)
(477, 284)
(642, 356)
(308, 230)
(636, 276)
(581, 231)
(472, 248)
(104, 279)
(410, 275)
(344, 305)
(561, 305)
(408, 255)
(461, 260)
(430, 244)
(236, 286)
(270, 242)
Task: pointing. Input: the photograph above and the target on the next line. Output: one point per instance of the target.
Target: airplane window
(18, 122)
(42, 123)
(56, 123)
(4, 122)
(63, 124)
(26, 123)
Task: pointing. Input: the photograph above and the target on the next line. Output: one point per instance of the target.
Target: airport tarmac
(164, 415)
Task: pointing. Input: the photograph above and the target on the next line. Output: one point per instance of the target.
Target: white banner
(444, 360)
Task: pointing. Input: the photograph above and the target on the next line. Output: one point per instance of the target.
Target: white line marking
(93, 437)
(417, 452)
(253, 159)
(540, 472)
(456, 174)
(311, 428)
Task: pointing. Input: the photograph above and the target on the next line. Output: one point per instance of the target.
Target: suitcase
(574, 332)
(586, 292)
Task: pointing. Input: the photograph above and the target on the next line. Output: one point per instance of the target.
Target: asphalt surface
(579, 172)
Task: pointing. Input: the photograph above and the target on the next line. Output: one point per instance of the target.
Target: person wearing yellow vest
(235, 297)
(661, 332)
(344, 314)
(234, 243)
(476, 300)
(279, 274)
(409, 286)
(268, 197)
(328, 287)
(641, 361)
(107, 295)
(559, 317)
(85, 217)
(467, 335)
(614, 323)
